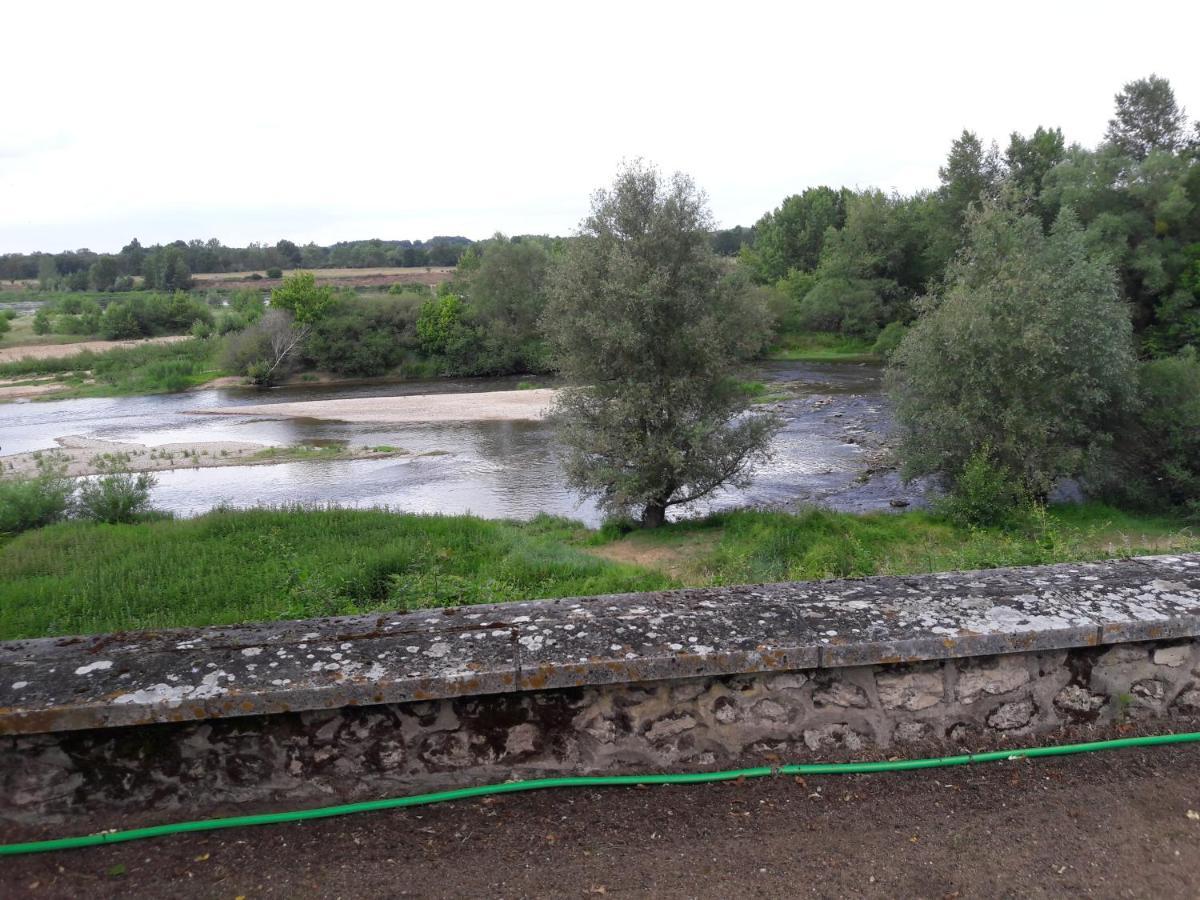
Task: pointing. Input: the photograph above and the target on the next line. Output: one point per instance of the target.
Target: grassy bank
(239, 566)
(817, 346)
(147, 369)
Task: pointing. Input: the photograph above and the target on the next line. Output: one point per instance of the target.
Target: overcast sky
(253, 121)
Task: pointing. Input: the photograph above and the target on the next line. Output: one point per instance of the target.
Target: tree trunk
(654, 514)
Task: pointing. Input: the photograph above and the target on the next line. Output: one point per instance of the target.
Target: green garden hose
(510, 787)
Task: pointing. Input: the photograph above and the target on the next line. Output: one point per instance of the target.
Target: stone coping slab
(64, 684)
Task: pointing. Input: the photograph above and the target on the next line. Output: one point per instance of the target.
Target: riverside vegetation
(230, 566)
(1040, 312)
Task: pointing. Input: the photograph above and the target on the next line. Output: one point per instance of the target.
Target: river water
(835, 429)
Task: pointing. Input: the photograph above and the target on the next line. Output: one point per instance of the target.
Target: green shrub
(4, 324)
(116, 496)
(889, 339)
(984, 495)
(1158, 454)
(274, 272)
(27, 503)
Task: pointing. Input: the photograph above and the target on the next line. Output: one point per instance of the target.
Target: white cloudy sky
(330, 121)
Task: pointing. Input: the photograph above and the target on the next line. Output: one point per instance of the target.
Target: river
(833, 441)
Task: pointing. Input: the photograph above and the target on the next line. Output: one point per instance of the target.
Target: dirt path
(487, 406)
(1106, 825)
(54, 351)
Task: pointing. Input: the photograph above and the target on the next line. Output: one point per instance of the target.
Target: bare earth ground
(83, 456)
(486, 406)
(1112, 824)
(54, 351)
(378, 277)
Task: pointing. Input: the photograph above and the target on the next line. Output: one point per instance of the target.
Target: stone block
(1075, 698)
(841, 693)
(833, 736)
(910, 690)
(1173, 657)
(1004, 674)
(1011, 716)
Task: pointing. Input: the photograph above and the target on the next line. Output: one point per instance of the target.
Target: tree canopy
(651, 334)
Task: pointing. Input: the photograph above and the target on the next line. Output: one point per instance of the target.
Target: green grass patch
(242, 566)
(819, 346)
(749, 546)
(145, 369)
(254, 565)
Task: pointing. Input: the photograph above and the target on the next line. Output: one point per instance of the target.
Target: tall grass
(239, 566)
(749, 546)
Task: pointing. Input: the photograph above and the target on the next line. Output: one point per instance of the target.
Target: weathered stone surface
(201, 674)
(1013, 715)
(1189, 700)
(832, 736)
(837, 692)
(1007, 674)
(1150, 690)
(1175, 656)
(910, 690)
(1078, 699)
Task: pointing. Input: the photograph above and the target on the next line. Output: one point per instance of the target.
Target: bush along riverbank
(234, 566)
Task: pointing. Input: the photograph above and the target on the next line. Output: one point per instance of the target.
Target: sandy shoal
(490, 406)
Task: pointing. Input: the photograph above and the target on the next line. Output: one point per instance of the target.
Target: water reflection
(493, 469)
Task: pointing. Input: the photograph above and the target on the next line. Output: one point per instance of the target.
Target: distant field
(79, 345)
(349, 277)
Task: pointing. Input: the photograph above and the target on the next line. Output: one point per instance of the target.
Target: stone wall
(292, 714)
(362, 752)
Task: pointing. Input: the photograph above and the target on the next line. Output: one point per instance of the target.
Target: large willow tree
(651, 335)
(1025, 354)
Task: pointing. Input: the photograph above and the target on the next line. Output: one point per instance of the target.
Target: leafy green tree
(267, 347)
(1158, 453)
(652, 336)
(43, 321)
(1030, 159)
(1147, 118)
(47, 273)
(871, 269)
(132, 257)
(1026, 354)
(442, 329)
(5, 325)
(792, 235)
(971, 173)
(289, 252)
(506, 295)
(300, 295)
(103, 273)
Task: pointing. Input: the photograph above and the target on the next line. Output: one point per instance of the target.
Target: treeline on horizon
(169, 266)
(852, 262)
